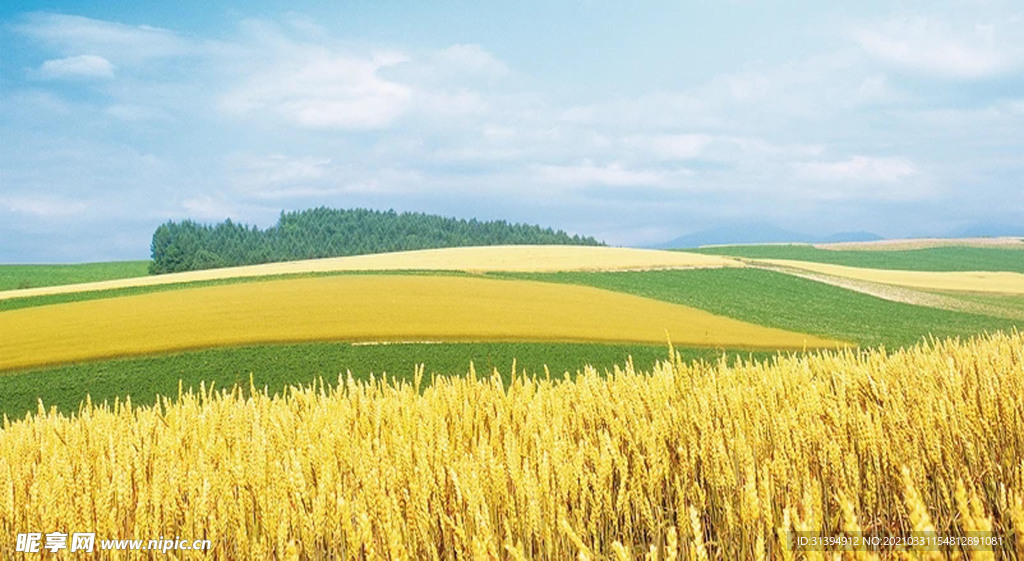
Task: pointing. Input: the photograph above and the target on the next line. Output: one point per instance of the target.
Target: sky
(634, 122)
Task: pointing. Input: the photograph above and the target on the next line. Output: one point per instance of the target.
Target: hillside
(505, 258)
(324, 232)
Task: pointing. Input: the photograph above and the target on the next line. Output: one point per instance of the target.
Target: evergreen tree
(325, 232)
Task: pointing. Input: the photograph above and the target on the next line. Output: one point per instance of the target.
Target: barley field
(1001, 282)
(688, 461)
(922, 243)
(508, 258)
(365, 308)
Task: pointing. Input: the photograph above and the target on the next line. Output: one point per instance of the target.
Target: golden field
(364, 308)
(962, 281)
(508, 258)
(690, 461)
(924, 243)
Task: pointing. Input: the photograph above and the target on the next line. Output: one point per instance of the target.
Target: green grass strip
(34, 276)
(779, 300)
(279, 366)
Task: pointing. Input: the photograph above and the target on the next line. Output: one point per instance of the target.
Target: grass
(34, 276)
(787, 302)
(1011, 304)
(928, 259)
(279, 366)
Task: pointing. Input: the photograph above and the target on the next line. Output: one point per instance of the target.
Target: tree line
(326, 232)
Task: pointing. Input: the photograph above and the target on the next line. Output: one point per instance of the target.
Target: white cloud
(277, 176)
(653, 110)
(747, 101)
(679, 146)
(265, 121)
(81, 66)
(254, 174)
(75, 35)
(206, 207)
(328, 86)
(468, 59)
(135, 113)
(715, 147)
(858, 169)
(932, 47)
(447, 104)
(318, 89)
(587, 173)
(45, 206)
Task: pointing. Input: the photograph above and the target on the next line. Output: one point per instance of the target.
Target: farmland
(474, 259)
(784, 301)
(919, 440)
(948, 258)
(363, 308)
(33, 276)
(998, 282)
(722, 287)
(518, 399)
(279, 366)
(511, 281)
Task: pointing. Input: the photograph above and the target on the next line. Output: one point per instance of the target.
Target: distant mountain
(851, 237)
(755, 233)
(743, 233)
(983, 230)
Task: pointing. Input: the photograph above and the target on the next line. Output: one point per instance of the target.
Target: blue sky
(632, 122)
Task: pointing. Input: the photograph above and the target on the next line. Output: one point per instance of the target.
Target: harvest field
(279, 366)
(748, 294)
(692, 461)
(397, 281)
(999, 282)
(570, 463)
(785, 301)
(942, 258)
(364, 308)
(756, 296)
(1008, 242)
(474, 259)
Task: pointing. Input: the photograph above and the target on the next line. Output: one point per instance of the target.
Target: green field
(755, 295)
(279, 366)
(1012, 305)
(34, 276)
(784, 301)
(928, 259)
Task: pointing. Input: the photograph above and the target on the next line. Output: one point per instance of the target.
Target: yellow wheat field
(690, 461)
(364, 308)
(962, 281)
(508, 258)
(922, 243)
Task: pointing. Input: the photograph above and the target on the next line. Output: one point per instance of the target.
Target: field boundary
(982, 282)
(463, 259)
(1007, 242)
(894, 293)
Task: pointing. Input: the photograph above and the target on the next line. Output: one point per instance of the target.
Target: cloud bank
(904, 125)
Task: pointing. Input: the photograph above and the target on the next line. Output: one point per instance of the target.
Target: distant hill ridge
(325, 232)
(759, 234)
